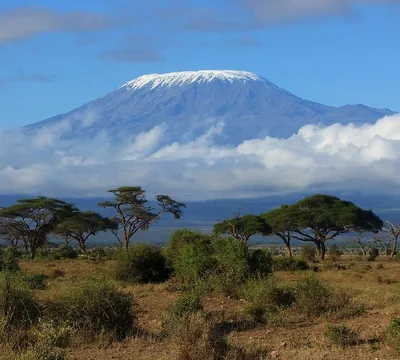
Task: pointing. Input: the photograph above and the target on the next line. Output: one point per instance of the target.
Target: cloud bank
(334, 158)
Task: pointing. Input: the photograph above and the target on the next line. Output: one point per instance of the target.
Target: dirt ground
(374, 284)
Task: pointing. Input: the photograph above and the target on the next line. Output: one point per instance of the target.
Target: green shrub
(260, 262)
(18, 308)
(193, 263)
(186, 305)
(93, 306)
(266, 299)
(9, 259)
(307, 253)
(231, 267)
(284, 263)
(63, 252)
(36, 281)
(49, 339)
(314, 298)
(141, 263)
(266, 293)
(182, 237)
(392, 333)
(341, 335)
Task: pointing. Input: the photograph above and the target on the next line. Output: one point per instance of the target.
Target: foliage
(323, 217)
(392, 333)
(141, 263)
(92, 306)
(63, 252)
(32, 220)
(283, 223)
(260, 262)
(267, 294)
(341, 335)
(192, 257)
(18, 307)
(9, 259)
(231, 265)
(307, 253)
(82, 225)
(182, 237)
(35, 281)
(132, 212)
(313, 298)
(49, 339)
(243, 227)
(283, 263)
(187, 304)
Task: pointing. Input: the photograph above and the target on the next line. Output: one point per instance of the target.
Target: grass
(218, 326)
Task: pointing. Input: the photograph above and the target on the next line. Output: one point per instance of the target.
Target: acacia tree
(364, 246)
(132, 212)
(324, 217)
(243, 227)
(392, 231)
(32, 220)
(283, 223)
(82, 225)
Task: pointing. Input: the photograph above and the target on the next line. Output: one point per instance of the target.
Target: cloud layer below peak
(333, 158)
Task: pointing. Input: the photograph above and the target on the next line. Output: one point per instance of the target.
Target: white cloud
(337, 157)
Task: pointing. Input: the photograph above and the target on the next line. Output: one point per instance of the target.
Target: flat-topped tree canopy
(81, 225)
(133, 213)
(243, 227)
(31, 220)
(283, 222)
(323, 217)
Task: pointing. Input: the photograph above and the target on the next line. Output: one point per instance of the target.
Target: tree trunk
(323, 251)
(289, 250)
(319, 252)
(394, 247)
(126, 241)
(82, 246)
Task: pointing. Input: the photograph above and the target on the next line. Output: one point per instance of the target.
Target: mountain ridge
(188, 103)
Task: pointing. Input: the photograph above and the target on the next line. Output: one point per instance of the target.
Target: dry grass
(378, 288)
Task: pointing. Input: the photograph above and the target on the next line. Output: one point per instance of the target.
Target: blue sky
(55, 56)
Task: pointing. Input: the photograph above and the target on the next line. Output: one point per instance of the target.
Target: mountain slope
(188, 103)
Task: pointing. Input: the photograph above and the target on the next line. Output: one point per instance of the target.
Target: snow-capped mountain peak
(187, 104)
(190, 77)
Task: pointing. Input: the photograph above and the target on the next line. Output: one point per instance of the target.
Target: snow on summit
(190, 77)
(226, 106)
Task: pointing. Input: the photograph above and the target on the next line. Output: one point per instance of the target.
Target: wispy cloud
(136, 49)
(23, 23)
(24, 77)
(334, 158)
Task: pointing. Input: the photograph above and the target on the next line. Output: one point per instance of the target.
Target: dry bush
(94, 305)
(341, 335)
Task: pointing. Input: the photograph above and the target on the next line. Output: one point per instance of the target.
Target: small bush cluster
(341, 335)
(266, 299)
(314, 298)
(35, 281)
(392, 334)
(9, 259)
(214, 264)
(284, 263)
(141, 263)
(49, 341)
(307, 253)
(18, 307)
(94, 305)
